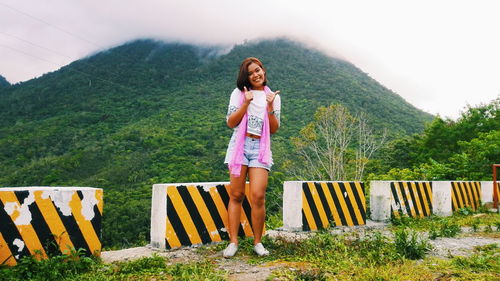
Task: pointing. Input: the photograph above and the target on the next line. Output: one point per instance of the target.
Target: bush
(408, 245)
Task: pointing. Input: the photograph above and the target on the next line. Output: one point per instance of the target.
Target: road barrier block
(310, 205)
(411, 198)
(465, 194)
(45, 221)
(185, 214)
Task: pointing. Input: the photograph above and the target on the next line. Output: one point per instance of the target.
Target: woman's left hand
(270, 97)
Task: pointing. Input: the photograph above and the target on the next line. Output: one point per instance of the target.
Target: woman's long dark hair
(243, 75)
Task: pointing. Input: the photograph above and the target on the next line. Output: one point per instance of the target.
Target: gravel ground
(239, 269)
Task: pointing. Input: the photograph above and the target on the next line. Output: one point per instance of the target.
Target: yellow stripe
(470, 194)
(466, 189)
(408, 197)
(85, 225)
(354, 204)
(6, 257)
(319, 205)
(183, 214)
(100, 202)
(361, 194)
(27, 232)
(307, 212)
(343, 205)
(171, 236)
(219, 204)
(396, 213)
(402, 205)
(459, 196)
(331, 204)
(54, 222)
(476, 189)
(204, 213)
(417, 198)
(421, 187)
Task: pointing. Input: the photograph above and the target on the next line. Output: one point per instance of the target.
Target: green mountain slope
(3, 82)
(149, 112)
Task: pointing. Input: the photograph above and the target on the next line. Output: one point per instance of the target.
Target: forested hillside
(152, 112)
(3, 82)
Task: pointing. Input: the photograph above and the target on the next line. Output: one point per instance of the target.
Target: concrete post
(441, 198)
(292, 205)
(380, 200)
(486, 192)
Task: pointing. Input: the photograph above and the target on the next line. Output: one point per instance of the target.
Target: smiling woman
(254, 113)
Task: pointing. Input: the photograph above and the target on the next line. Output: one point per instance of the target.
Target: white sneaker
(230, 250)
(260, 250)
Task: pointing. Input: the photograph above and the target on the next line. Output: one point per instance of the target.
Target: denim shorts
(250, 154)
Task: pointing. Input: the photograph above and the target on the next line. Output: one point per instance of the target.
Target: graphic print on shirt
(254, 124)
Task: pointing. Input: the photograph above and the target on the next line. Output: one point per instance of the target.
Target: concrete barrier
(310, 205)
(409, 198)
(41, 221)
(487, 191)
(185, 214)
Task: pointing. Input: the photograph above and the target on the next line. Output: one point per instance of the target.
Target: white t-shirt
(255, 111)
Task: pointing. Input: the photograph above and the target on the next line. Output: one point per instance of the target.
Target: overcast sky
(438, 55)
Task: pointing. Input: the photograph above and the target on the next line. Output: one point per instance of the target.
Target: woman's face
(256, 76)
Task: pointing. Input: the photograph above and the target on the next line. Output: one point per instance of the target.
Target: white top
(255, 111)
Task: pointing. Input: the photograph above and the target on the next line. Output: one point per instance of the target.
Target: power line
(70, 69)
(51, 25)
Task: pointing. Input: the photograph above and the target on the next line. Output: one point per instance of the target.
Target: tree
(335, 146)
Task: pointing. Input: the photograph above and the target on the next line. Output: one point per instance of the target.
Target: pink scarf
(264, 144)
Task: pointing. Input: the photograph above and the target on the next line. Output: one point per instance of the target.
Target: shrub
(408, 245)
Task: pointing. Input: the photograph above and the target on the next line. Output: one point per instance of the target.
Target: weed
(465, 211)
(497, 225)
(475, 225)
(449, 229)
(408, 245)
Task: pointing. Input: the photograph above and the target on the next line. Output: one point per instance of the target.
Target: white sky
(438, 55)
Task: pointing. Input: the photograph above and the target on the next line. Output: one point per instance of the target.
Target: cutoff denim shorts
(250, 154)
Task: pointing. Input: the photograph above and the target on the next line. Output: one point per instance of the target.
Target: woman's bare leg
(258, 184)
(236, 196)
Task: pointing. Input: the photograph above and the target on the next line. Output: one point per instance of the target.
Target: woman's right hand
(248, 96)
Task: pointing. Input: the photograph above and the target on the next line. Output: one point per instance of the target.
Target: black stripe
(337, 203)
(397, 201)
(326, 207)
(96, 220)
(212, 208)
(305, 223)
(312, 205)
(43, 233)
(348, 202)
(413, 199)
(476, 194)
(454, 193)
(467, 191)
(10, 233)
(428, 196)
(176, 223)
(418, 187)
(167, 245)
(225, 198)
(74, 232)
(403, 194)
(357, 197)
(195, 214)
(248, 210)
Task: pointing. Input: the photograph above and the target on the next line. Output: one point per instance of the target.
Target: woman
(254, 113)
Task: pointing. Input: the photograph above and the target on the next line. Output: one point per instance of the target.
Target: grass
(323, 256)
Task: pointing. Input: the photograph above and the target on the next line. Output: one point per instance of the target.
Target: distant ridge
(3, 82)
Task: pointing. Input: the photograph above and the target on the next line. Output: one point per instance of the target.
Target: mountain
(148, 112)
(3, 82)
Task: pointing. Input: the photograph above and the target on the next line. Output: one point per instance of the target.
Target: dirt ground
(239, 269)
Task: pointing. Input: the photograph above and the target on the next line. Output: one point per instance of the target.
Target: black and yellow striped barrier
(316, 205)
(194, 213)
(465, 194)
(43, 221)
(411, 198)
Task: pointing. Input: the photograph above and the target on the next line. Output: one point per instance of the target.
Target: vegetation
(151, 112)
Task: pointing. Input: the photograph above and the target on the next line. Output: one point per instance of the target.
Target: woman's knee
(237, 196)
(258, 199)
